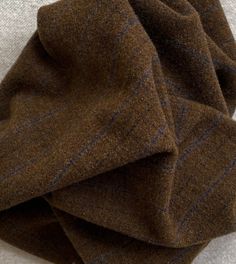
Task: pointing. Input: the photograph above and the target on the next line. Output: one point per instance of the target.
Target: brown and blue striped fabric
(117, 144)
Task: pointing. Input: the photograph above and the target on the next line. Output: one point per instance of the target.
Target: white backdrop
(17, 23)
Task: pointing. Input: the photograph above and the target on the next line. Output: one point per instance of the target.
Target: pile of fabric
(116, 138)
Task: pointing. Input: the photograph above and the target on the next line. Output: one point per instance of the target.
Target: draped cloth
(116, 138)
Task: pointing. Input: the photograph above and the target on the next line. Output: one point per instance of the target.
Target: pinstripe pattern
(100, 134)
(179, 123)
(51, 114)
(185, 183)
(202, 198)
(142, 105)
(202, 138)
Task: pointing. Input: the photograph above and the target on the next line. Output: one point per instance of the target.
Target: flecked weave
(117, 142)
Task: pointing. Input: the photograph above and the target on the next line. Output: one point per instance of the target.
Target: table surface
(17, 23)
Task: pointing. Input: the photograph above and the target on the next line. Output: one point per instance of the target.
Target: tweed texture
(116, 134)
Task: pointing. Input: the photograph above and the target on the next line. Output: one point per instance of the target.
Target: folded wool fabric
(116, 138)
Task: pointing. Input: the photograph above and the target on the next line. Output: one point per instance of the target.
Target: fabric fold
(117, 143)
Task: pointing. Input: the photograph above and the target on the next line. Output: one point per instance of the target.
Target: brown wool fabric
(116, 138)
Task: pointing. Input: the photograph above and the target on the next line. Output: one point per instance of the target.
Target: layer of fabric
(117, 142)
